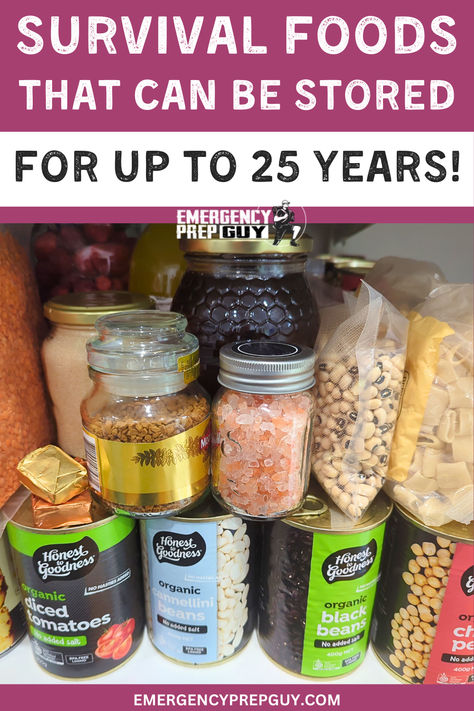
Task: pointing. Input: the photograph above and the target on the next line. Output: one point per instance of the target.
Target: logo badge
(179, 548)
(349, 563)
(467, 581)
(66, 561)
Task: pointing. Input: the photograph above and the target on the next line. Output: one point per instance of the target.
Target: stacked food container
(240, 449)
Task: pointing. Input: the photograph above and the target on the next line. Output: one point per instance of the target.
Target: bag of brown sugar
(359, 374)
(431, 464)
(25, 421)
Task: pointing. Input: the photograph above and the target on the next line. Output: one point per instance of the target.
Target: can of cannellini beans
(81, 590)
(12, 618)
(318, 577)
(199, 587)
(423, 628)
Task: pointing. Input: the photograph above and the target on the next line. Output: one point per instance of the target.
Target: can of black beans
(423, 627)
(81, 589)
(318, 577)
(200, 594)
(12, 618)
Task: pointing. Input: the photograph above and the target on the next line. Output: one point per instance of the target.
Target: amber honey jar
(237, 289)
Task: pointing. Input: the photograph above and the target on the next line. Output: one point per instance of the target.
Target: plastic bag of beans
(25, 421)
(360, 361)
(431, 464)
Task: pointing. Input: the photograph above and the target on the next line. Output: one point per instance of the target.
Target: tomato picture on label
(108, 635)
(122, 649)
(105, 650)
(116, 642)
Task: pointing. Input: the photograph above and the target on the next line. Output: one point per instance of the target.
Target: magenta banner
(101, 66)
(239, 696)
(138, 110)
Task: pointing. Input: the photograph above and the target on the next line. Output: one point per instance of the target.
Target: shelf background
(148, 666)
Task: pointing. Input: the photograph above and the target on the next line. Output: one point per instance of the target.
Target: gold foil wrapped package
(52, 474)
(72, 513)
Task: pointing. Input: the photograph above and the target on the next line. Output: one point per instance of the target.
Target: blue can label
(197, 587)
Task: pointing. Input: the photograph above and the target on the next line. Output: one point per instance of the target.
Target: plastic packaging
(79, 258)
(437, 482)
(405, 282)
(359, 374)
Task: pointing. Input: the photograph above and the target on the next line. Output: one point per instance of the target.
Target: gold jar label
(150, 473)
(189, 366)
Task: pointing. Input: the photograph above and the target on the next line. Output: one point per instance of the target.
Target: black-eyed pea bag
(360, 360)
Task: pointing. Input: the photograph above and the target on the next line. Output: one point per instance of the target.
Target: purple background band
(463, 215)
(269, 28)
(120, 697)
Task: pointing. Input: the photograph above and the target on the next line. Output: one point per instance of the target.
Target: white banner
(236, 169)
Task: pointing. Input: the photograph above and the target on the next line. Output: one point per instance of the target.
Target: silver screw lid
(266, 367)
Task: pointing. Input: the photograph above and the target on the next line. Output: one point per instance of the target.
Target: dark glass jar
(235, 290)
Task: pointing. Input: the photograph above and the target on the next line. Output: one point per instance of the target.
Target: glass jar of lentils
(146, 421)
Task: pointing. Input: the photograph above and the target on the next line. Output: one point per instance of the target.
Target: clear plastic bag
(438, 486)
(359, 375)
(405, 282)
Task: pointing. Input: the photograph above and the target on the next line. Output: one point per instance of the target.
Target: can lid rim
(453, 530)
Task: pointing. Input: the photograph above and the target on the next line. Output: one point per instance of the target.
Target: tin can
(12, 618)
(199, 583)
(318, 577)
(423, 628)
(81, 590)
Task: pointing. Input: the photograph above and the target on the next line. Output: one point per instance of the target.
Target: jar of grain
(261, 428)
(72, 318)
(146, 421)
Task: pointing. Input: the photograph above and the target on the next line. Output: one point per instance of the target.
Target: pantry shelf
(150, 667)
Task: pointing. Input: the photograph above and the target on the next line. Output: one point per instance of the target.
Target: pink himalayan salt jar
(261, 428)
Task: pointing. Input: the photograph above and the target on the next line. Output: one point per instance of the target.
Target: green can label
(342, 585)
(82, 595)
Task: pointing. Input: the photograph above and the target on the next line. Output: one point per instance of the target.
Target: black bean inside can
(283, 592)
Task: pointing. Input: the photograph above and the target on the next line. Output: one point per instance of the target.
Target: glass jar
(245, 288)
(261, 428)
(72, 318)
(146, 421)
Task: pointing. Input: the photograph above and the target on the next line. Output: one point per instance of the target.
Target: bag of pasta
(431, 465)
(359, 372)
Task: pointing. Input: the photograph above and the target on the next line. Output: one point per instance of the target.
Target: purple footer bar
(128, 697)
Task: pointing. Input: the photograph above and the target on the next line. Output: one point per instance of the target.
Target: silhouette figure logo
(283, 220)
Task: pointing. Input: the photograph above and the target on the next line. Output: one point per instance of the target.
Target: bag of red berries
(91, 257)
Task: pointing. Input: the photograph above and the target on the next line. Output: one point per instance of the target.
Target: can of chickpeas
(199, 587)
(423, 626)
